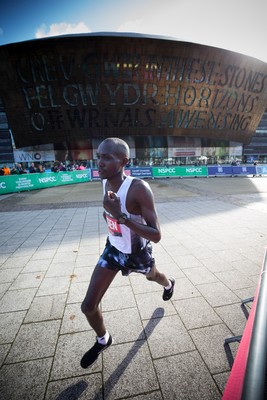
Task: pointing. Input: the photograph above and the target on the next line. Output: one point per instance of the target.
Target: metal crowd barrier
(19, 183)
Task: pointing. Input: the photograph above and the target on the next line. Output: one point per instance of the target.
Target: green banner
(172, 171)
(19, 183)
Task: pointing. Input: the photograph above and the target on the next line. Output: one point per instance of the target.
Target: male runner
(132, 222)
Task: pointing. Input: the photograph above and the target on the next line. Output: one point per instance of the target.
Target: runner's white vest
(119, 235)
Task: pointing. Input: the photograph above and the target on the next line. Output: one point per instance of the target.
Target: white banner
(184, 152)
(21, 156)
(235, 149)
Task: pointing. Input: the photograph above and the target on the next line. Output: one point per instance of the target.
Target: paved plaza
(214, 235)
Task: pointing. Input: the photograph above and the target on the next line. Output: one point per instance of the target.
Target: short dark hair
(122, 147)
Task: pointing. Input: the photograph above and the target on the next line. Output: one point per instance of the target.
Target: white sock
(103, 339)
(169, 285)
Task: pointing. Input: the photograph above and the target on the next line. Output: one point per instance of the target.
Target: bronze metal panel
(97, 85)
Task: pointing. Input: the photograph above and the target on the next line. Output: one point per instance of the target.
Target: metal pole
(254, 380)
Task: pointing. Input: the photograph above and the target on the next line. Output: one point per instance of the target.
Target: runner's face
(109, 163)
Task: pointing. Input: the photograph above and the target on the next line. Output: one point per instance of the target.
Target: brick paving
(213, 241)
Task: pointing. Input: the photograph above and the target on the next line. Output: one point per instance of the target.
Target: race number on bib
(113, 226)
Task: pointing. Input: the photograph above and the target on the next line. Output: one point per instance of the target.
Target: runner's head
(113, 156)
(116, 146)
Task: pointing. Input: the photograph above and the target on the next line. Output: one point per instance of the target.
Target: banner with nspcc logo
(19, 183)
(173, 171)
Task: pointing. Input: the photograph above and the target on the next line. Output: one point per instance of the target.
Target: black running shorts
(141, 262)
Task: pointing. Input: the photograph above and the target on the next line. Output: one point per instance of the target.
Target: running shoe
(167, 294)
(90, 357)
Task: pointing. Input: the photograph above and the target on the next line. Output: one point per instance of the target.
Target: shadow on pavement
(115, 376)
(73, 392)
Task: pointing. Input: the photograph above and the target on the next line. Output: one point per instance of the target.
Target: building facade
(173, 102)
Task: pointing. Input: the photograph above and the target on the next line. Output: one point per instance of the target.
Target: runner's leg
(156, 276)
(100, 281)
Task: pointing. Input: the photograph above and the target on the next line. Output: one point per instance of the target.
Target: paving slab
(213, 242)
(185, 376)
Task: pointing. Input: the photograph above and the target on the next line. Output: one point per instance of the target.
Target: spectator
(81, 167)
(14, 170)
(21, 170)
(62, 167)
(70, 167)
(40, 168)
(32, 168)
(55, 168)
(6, 170)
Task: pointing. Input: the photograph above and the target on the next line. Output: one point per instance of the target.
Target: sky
(237, 25)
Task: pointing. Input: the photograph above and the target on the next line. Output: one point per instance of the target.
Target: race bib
(113, 226)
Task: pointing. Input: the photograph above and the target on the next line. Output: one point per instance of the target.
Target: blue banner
(230, 170)
(95, 175)
(244, 170)
(261, 170)
(220, 170)
(141, 172)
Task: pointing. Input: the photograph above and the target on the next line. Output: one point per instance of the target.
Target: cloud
(131, 26)
(61, 28)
